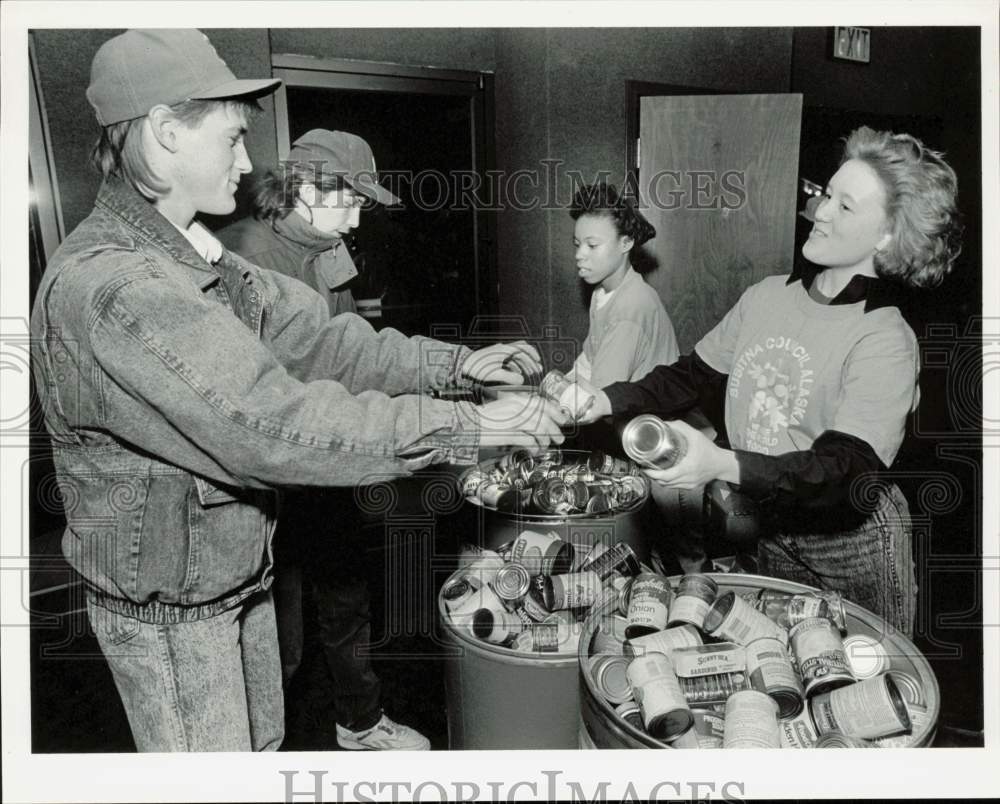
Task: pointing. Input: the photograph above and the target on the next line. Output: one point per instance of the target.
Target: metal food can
(626, 491)
(598, 503)
(798, 731)
(538, 638)
(603, 464)
(867, 656)
(695, 596)
(551, 496)
(556, 388)
(919, 719)
(665, 642)
(455, 592)
(511, 582)
(650, 441)
(751, 721)
(709, 727)
(520, 461)
(770, 671)
(619, 559)
(665, 713)
(819, 654)
(534, 601)
(489, 493)
(648, 605)
(629, 712)
(868, 709)
(909, 687)
(715, 689)
(789, 609)
(542, 553)
(709, 660)
(688, 739)
(834, 739)
(623, 589)
(577, 494)
(610, 676)
(731, 618)
(471, 482)
(495, 626)
(609, 636)
(574, 590)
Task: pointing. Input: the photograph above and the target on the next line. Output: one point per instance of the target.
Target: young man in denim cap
(182, 384)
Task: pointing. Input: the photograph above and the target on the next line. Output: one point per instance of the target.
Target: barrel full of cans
(696, 667)
(555, 484)
(533, 594)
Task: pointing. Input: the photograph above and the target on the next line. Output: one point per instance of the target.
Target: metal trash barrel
(601, 726)
(499, 698)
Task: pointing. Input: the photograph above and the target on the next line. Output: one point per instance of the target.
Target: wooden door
(717, 178)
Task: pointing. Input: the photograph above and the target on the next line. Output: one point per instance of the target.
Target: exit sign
(852, 44)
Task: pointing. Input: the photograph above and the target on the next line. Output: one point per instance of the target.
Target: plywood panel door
(717, 178)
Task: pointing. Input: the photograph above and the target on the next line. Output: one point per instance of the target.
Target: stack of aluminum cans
(696, 668)
(547, 484)
(533, 594)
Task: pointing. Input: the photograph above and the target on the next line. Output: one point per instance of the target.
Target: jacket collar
(122, 200)
(873, 291)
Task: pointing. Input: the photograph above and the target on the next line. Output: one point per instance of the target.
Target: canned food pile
(533, 594)
(698, 669)
(544, 484)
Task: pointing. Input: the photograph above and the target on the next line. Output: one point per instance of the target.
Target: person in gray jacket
(302, 210)
(181, 385)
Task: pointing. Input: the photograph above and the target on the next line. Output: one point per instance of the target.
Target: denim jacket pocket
(116, 629)
(210, 494)
(228, 539)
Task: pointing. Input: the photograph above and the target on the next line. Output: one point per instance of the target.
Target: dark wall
(64, 58)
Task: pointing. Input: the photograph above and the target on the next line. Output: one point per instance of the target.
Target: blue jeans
(871, 565)
(206, 685)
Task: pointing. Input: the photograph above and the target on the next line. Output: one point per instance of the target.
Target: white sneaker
(386, 735)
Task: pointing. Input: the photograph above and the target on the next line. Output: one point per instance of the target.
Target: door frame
(371, 76)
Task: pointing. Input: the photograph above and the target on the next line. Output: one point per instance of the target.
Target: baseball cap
(136, 70)
(338, 153)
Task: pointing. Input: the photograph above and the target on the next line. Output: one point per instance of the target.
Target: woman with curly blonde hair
(819, 372)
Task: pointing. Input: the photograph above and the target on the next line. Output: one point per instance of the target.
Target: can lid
(609, 674)
(717, 613)
(866, 655)
(511, 581)
(454, 589)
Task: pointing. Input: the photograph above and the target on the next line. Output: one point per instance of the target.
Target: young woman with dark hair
(630, 331)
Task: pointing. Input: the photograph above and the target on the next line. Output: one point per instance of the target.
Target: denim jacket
(179, 394)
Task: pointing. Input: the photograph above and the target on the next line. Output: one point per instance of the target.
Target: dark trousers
(317, 547)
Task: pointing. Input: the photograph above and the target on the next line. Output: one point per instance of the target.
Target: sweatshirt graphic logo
(772, 379)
